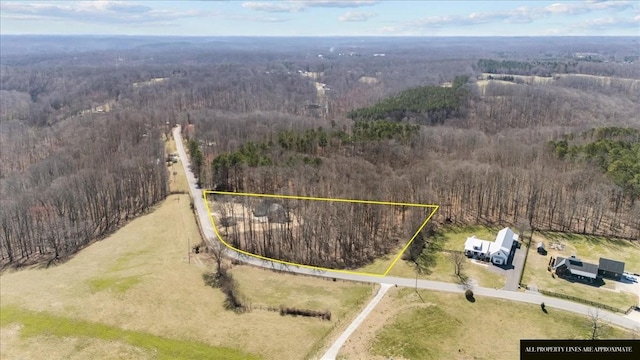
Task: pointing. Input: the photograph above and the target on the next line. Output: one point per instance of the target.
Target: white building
(497, 251)
(477, 248)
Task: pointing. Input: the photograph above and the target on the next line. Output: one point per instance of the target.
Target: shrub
(468, 294)
(324, 315)
(211, 279)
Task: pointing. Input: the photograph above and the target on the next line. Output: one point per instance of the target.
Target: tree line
(55, 107)
(319, 233)
(289, 148)
(96, 173)
(493, 166)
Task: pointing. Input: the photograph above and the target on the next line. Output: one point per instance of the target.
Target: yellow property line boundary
(395, 260)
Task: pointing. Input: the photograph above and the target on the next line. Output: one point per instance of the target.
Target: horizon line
(324, 36)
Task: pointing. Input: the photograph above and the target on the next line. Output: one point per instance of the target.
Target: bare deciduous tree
(458, 259)
(596, 324)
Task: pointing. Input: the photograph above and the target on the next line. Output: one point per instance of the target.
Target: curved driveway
(527, 297)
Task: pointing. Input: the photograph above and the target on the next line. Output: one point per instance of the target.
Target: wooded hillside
(81, 132)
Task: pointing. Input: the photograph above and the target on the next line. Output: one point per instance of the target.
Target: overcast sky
(322, 18)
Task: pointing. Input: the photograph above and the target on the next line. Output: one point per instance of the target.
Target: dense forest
(66, 185)
(616, 151)
(82, 124)
(330, 234)
(430, 105)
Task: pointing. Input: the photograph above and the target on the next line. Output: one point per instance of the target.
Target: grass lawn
(592, 248)
(126, 295)
(304, 292)
(380, 265)
(453, 238)
(456, 236)
(588, 249)
(177, 179)
(447, 326)
(45, 327)
(342, 298)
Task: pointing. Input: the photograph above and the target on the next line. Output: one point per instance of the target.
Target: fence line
(584, 301)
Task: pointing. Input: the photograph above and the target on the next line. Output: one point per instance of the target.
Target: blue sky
(322, 18)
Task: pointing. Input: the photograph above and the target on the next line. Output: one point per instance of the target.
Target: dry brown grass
(72, 348)
(177, 179)
(448, 326)
(142, 278)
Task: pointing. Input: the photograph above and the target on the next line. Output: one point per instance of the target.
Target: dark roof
(611, 265)
(578, 267)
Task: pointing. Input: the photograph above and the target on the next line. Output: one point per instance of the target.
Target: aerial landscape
(319, 180)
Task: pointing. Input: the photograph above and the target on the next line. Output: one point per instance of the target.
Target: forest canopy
(82, 124)
(616, 151)
(429, 104)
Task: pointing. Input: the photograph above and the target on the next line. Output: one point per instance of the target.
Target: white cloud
(609, 22)
(279, 7)
(338, 4)
(297, 6)
(614, 5)
(520, 15)
(263, 19)
(567, 8)
(356, 16)
(103, 11)
(576, 8)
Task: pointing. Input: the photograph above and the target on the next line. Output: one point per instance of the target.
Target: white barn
(497, 251)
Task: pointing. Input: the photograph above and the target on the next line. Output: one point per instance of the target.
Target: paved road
(528, 297)
(513, 275)
(337, 345)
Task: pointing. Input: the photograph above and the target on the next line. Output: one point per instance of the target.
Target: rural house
(497, 252)
(477, 248)
(611, 268)
(576, 268)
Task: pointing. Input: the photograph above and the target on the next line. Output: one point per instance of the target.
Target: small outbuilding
(611, 269)
(541, 249)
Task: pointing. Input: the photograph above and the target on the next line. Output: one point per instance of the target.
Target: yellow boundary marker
(395, 260)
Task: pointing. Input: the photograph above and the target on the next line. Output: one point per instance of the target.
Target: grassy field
(300, 291)
(343, 299)
(453, 238)
(448, 326)
(42, 327)
(592, 248)
(456, 236)
(126, 295)
(177, 179)
(588, 249)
